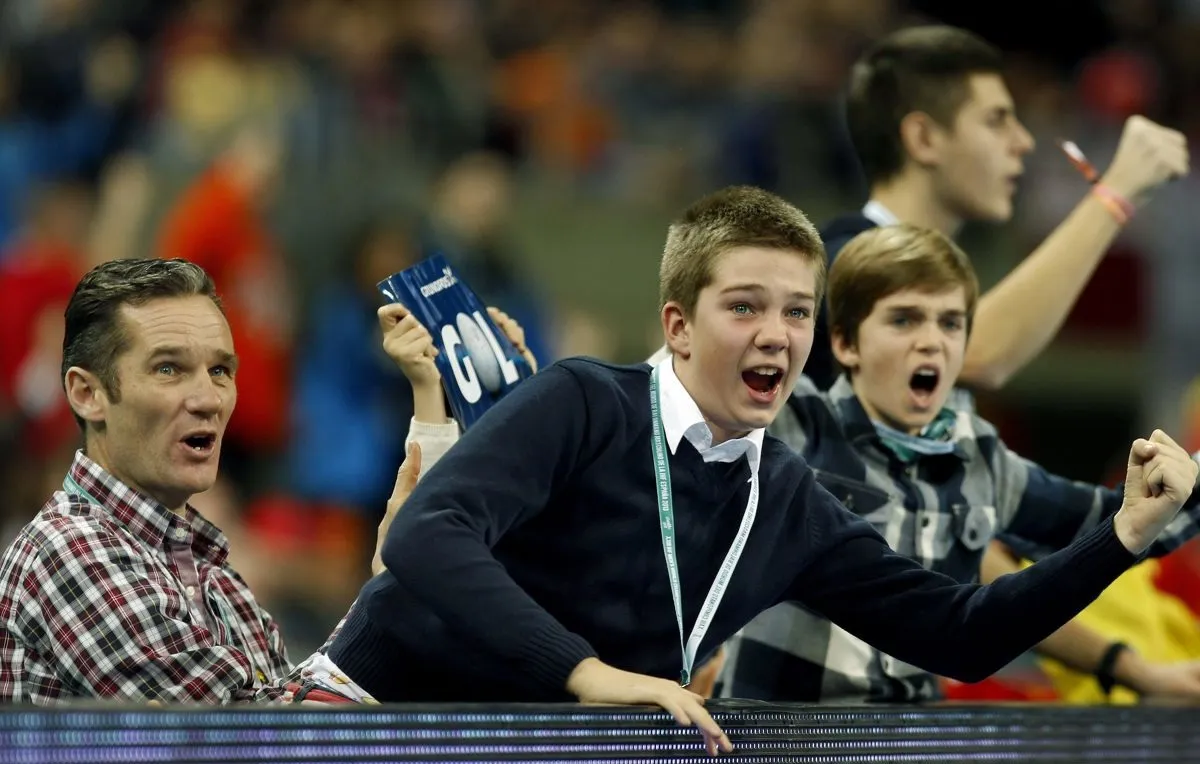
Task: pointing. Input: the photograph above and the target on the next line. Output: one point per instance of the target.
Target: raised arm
(1050, 512)
(1019, 317)
(411, 347)
(432, 432)
(968, 632)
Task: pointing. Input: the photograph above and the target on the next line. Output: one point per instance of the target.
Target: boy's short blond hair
(882, 261)
(738, 216)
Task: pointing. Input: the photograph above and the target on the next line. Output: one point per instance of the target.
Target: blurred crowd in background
(302, 150)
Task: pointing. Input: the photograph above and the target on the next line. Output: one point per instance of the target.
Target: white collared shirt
(879, 215)
(682, 419)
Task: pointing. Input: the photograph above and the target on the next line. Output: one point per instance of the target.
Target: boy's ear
(844, 350)
(677, 329)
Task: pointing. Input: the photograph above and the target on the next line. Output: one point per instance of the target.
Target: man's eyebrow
(224, 357)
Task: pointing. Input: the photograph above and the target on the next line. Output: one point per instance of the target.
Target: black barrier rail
(764, 733)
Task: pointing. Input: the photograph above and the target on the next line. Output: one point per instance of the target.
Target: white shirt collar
(682, 419)
(659, 356)
(879, 215)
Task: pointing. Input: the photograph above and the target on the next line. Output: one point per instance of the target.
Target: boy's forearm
(1017, 319)
(1074, 645)
(429, 405)
(1081, 649)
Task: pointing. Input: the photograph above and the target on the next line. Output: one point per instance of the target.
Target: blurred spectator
(352, 404)
(37, 277)
(467, 223)
(219, 224)
(42, 142)
(63, 235)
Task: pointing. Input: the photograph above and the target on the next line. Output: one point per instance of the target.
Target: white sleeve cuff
(434, 439)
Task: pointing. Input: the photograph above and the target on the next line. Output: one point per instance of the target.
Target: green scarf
(937, 437)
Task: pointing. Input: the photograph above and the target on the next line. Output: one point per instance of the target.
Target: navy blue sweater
(534, 544)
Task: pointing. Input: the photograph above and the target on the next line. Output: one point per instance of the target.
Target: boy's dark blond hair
(882, 261)
(738, 216)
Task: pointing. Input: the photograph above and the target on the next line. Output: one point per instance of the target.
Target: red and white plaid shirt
(108, 594)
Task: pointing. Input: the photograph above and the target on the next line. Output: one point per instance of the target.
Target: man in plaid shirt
(937, 483)
(118, 588)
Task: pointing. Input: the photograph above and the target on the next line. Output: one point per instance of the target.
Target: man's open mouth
(201, 442)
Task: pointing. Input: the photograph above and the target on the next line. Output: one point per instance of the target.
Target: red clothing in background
(216, 225)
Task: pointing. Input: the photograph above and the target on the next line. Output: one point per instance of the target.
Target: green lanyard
(666, 525)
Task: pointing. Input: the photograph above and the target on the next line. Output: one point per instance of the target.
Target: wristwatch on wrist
(1104, 671)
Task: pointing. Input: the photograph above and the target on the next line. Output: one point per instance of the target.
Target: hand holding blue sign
(437, 324)
(409, 344)
(515, 334)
